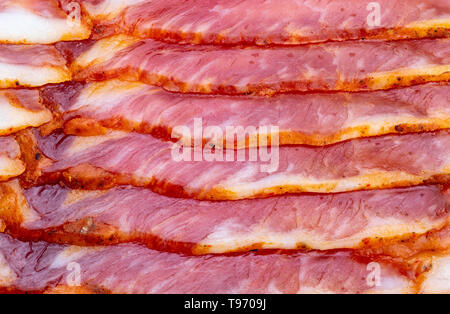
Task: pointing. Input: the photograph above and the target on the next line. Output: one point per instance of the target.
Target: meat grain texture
(117, 175)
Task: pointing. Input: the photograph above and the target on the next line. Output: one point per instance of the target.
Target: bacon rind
(31, 66)
(349, 66)
(268, 22)
(140, 160)
(130, 268)
(376, 219)
(41, 22)
(311, 119)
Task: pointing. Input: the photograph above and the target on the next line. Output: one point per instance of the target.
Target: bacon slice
(40, 22)
(267, 22)
(10, 163)
(30, 66)
(312, 119)
(127, 214)
(20, 109)
(141, 160)
(350, 66)
(129, 268)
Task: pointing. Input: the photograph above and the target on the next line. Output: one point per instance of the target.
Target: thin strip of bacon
(130, 268)
(141, 160)
(349, 66)
(269, 22)
(374, 219)
(41, 22)
(11, 164)
(311, 119)
(20, 109)
(30, 66)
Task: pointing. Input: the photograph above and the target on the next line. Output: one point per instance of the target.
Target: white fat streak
(71, 254)
(381, 124)
(29, 76)
(103, 50)
(372, 179)
(7, 275)
(107, 94)
(28, 213)
(81, 143)
(13, 117)
(203, 28)
(422, 67)
(246, 173)
(21, 26)
(438, 279)
(10, 167)
(420, 63)
(226, 237)
(393, 285)
(109, 8)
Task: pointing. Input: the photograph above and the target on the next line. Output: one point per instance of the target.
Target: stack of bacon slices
(97, 95)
